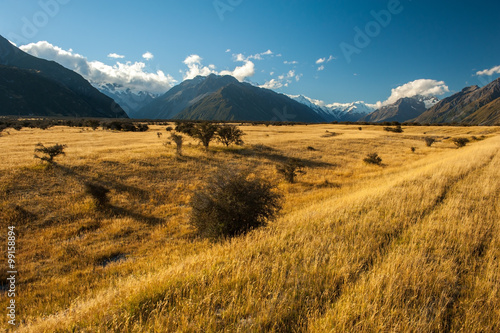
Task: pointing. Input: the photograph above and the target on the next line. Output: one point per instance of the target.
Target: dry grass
(411, 245)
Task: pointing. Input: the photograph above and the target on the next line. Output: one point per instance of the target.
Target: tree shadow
(276, 156)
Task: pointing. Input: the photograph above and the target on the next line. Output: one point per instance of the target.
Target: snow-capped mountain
(405, 109)
(131, 101)
(336, 111)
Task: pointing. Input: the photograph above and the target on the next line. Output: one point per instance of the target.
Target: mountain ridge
(102, 105)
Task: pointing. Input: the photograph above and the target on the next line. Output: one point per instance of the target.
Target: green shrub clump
(231, 204)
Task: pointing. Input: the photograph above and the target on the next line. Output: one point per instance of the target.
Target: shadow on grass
(276, 156)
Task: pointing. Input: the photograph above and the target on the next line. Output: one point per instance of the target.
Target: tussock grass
(412, 246)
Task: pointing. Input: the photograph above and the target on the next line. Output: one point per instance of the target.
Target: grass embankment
(410, 246)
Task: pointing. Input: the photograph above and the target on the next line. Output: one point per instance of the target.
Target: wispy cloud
(294, 62)
(323, 61)
(283, 80)
(128, 75)
(489, 72)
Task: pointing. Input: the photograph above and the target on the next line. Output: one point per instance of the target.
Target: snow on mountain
(131, 101)
(336, 111)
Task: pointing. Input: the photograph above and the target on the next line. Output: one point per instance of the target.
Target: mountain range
(224, 98)
(34, 86)
(473, 106)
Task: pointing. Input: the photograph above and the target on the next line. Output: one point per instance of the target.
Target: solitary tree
(373, 158)
(229, 134)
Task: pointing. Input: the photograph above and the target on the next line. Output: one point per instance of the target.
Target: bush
(231, 204)
(460, 142)
(51, 152)
(429, 141)
(204, 132)
(396, 129)
(291, 169)
(178, 140)
(229, 134)
(373, 159)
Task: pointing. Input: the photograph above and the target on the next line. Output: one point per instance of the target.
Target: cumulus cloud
(127, 75)
(424, 87)
(489, 72)
(290, 62)
(115, 56)
(321, 68)
(195, 68)
(148, 56)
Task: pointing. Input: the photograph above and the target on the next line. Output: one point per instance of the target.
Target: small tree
(51, 152)
(373, 158)
(429, 141)
(291, 169)
(229, 134)
(204, 132)
(460, 142)
(232, 203)
(178, 140)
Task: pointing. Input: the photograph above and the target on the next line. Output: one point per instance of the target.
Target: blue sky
(309, 47)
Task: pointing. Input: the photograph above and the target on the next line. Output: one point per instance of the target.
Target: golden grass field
(409, 246)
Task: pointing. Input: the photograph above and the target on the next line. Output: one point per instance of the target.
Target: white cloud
(193, 62)
(489, 72)
(323, 61)
(424, 87)
(196, 68)
(290, 62)
(115, 56)
(283, 80)
(272, 84)
(228, 50)
(148, 56)
(127, 75)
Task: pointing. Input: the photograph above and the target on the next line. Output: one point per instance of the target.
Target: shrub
(291, 169)
(51, 152)
(178, 140)
(169, 129)
(373, 158)
(413, 149)
(460, 142)
(429, 141)
(396, 129)
(204, 132)
(229, 134)
(231, 204)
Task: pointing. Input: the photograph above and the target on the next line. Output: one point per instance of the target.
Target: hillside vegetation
(410, 245)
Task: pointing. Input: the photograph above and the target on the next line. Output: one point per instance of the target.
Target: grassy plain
(412, 245)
